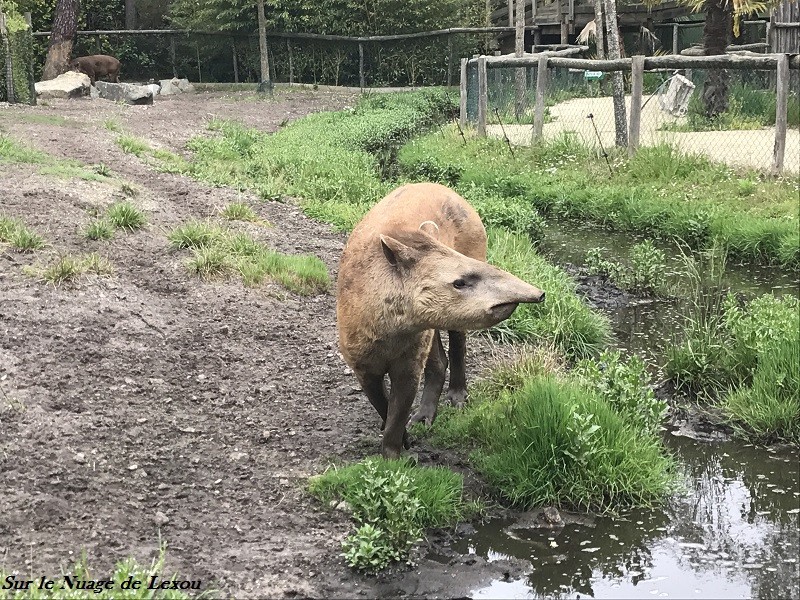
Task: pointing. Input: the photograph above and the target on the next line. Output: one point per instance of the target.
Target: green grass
(563, 320)
(217, 252)
(769, 409)
(542, 437)
(112, 125)
(18, 236)
(660, 191)
(12, 151)
(132, 144)
(126, 572)
(67, 268)
(124, 215)
(238, 211)
(99, 229)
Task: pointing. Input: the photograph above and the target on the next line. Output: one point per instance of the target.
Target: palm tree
(722, 18)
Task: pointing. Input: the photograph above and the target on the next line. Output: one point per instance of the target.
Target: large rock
(175, 86)
(124, 92)
(67, 85)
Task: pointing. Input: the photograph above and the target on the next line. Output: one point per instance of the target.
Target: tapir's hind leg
(376, 392)
(435, 370)
(457, 390)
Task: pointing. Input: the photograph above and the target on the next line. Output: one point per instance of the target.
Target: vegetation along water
(571, 424)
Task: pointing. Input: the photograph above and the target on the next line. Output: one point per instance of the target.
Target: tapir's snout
(514, 292)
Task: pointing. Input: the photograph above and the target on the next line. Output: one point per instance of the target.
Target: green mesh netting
(17, 46)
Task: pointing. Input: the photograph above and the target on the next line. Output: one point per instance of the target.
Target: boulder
(67, 85)
(155, 88)
(125, 92)
(175, 86)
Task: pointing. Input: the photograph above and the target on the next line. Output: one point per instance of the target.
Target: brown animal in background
(97, 66)
(414, 265)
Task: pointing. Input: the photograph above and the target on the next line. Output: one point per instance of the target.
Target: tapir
(415, 265)
(97, 66)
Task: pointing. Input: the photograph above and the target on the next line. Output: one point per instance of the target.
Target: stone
(67, 85)
(175, 86)
(125, 92)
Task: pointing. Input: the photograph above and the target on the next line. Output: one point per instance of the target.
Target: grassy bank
(659, 192)
(744, 356)
(587, 439)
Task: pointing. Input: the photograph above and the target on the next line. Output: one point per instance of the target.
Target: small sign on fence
(592, 75)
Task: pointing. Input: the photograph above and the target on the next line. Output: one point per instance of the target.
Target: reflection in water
(733, 533)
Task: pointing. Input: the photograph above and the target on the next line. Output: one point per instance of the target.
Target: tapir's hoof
(423, 415)
(457, 398)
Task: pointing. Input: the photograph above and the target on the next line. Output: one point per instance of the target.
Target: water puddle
(732, 533)
(734, 530)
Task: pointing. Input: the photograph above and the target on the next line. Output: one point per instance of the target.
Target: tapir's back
(407, 207)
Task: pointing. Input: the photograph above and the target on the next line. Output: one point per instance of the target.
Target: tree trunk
(716, 35)
(130, 14)
(598, 28)
(265, 85)
(618, 83)
(62, 37)
(520, 78)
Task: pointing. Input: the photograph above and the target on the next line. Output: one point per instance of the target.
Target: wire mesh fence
(578, 102)
(16, 76)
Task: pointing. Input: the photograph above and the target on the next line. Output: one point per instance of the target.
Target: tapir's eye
(459, 284)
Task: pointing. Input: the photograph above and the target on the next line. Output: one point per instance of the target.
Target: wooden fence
(637, 65)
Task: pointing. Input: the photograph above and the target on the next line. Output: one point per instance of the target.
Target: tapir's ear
(396, 252)
(431, 228)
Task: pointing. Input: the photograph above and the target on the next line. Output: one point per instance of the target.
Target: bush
(392, 501)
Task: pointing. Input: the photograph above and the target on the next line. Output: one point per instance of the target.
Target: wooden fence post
(361, 64)
(541, 88)
(9, 67)
(483, 96)
(781, 109)
(31, 76)
(172, 55)
(449, 59)
(235, 61)
(496, 74)
(462, 104)
(291, 61)
(637, 83)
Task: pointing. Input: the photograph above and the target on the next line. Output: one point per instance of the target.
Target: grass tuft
(238, 211)
(544, 438)
(124, 215)
(209, 262)
(15, 233)
(99, 229)
(66, 269)
(132, 144)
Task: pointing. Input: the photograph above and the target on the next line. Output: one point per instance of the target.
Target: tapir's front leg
(405, 373)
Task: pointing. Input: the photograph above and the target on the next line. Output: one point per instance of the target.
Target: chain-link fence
(578, 102)
(16, 76)
(418, 59)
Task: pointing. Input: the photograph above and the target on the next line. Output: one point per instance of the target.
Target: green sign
(593, 74)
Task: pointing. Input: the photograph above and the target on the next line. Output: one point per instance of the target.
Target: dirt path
(152, 403)
(748, 148)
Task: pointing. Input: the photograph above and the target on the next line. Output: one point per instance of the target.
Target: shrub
(392, 502)
(644, 274)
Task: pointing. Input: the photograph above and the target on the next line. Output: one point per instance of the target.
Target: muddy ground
(152, 405)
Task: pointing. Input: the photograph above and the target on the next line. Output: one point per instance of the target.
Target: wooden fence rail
(780, 63)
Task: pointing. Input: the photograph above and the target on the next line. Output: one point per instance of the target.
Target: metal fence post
(31, 76)
(361, 64)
